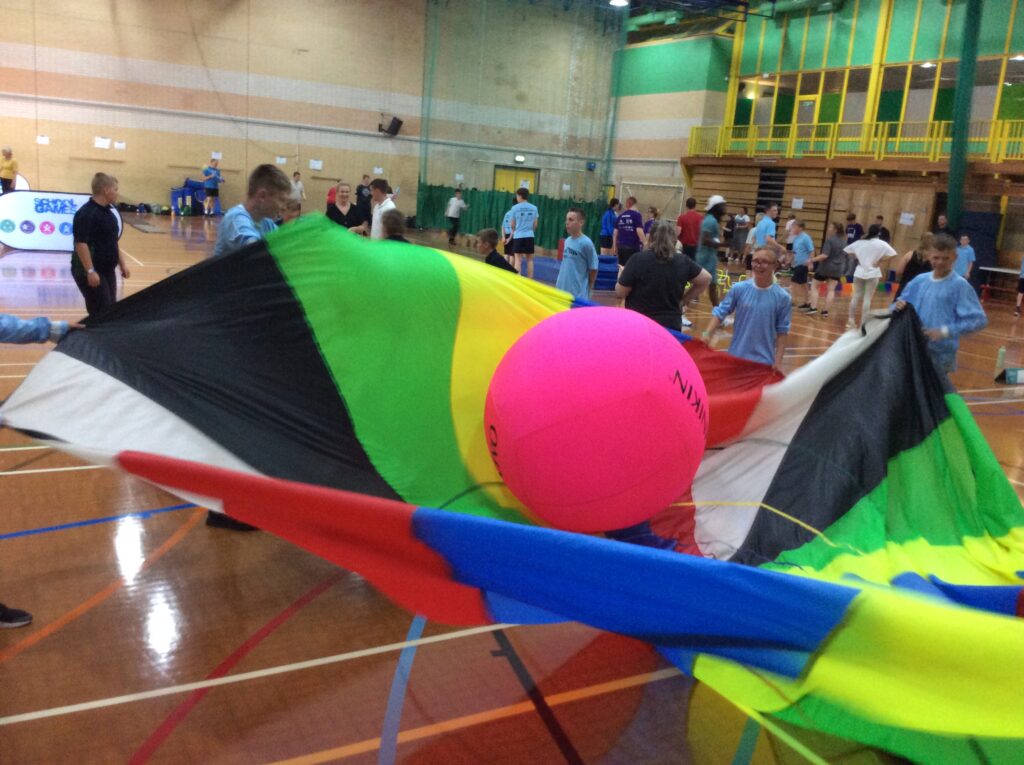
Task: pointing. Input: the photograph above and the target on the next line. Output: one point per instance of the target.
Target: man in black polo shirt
(96, 257)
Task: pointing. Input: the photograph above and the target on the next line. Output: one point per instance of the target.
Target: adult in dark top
(345, 212)
(883, 233)
(487, 245)
(653, 281)
(393, 224)
(854, 233)
(628, 236)
(914, 263)
(829, 268)
(942, 226)
(96, 257)
(363, 196)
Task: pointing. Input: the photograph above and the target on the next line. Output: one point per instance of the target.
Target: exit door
(512, 179)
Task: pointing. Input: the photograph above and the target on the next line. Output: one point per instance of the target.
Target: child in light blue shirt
(946, 304)
(763, 313)
(578, 270)
(964, 257)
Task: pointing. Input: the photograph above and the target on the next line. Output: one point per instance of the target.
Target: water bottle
(141, 210)
(1000, 359)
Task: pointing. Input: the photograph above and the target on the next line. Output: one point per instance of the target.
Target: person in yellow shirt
(8, 169)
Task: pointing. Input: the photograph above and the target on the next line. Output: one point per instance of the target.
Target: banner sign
(41, 220)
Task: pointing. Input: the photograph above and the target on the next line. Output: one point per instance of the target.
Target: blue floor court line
(94, 521)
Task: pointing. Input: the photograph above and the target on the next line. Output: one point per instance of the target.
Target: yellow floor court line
(479, 718)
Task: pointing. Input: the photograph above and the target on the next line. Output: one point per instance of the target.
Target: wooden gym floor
(157, 639)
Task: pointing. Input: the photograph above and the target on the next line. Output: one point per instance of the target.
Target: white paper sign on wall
(316, 164)
(216, 155)
(798, 203)
(41, 220)
(907, 219)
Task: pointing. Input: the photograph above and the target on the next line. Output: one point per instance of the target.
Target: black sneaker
(811, 311)
(225, 521)
(803, 307)
(13, 617)
(824, 314)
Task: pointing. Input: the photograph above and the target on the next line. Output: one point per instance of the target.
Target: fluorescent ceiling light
(1018, 57)
(927, 65)
(619, 3)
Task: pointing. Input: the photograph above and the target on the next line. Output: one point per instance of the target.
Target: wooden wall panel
(737, 184)
(889, 198)
(814, 187)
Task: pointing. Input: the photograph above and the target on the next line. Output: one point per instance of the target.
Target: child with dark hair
(487, 245)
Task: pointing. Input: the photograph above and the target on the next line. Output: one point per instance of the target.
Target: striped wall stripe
(116, 69)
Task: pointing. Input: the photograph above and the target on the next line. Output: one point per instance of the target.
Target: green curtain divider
(487, 208)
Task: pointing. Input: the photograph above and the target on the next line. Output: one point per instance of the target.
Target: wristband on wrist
(91, 271)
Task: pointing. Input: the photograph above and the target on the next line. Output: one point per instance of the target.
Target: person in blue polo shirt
(608, 225)
(525, 218)
(578, 270)
(212, 179)
(803, 251)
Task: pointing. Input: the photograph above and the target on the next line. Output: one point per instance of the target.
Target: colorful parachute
(858, 549)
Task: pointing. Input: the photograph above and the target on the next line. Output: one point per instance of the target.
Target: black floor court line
(533, 692)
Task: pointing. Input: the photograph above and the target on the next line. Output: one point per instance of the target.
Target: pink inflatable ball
(596, 419)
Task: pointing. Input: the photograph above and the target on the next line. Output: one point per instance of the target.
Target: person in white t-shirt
(868, 253)
(298, 190)
(453, 213)
(381, 204)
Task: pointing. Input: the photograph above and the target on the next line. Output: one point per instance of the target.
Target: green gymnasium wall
(943, 108)
(808, 40)
(890, 105)
(693, 64)
(1011, 105)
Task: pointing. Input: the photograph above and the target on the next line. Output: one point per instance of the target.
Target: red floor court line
(175, 718)
(101, 596)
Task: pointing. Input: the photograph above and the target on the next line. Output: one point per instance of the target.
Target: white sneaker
(687, 322)
(728, 321)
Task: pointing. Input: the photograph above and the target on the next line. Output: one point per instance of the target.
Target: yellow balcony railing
(993, 140)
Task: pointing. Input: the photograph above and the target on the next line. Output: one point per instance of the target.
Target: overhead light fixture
(619, 3)
(520, 158)
(1018, 57)
(927, 65)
